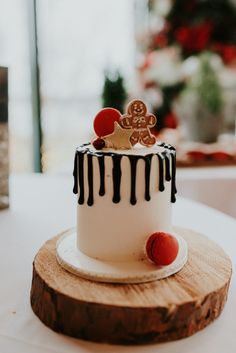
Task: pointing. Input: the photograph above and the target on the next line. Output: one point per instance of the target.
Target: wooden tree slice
(158, 311)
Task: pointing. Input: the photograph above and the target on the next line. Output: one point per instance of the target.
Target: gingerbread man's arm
(126, 121)
(151, 120)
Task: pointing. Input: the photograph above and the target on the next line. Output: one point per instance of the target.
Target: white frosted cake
(125, 181)
(123, 196)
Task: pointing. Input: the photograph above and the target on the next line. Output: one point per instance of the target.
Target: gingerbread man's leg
(146, 138)
(134, 138)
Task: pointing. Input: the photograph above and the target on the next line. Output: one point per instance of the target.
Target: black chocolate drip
(90, 180)
(81, 178)
(166, 145)
(116, 173)
(148, 161)
(167, 160)
(75, 175)
(161, 172)
(163, 157)
(133, 166)
(173, 184)
(102, 175)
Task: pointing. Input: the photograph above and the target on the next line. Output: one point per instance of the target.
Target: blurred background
(66, 59)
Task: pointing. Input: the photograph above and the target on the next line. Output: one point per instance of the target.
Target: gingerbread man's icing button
(140, 121)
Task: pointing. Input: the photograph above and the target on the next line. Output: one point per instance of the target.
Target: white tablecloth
(41, 207)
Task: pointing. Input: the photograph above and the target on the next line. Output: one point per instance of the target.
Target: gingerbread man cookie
(140, 121)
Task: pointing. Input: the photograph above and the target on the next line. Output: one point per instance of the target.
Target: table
(42, 206)
(213, 186)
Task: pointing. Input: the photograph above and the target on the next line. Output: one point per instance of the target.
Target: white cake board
(74, 261)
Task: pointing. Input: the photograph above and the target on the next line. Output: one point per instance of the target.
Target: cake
(125, 183)
(123, 196)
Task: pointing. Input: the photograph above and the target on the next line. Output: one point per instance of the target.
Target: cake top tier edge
(139, 150)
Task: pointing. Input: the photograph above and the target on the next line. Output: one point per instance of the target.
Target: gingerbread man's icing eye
(142, 119)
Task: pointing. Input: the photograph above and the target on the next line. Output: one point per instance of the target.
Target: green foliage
(114, 92)
(208, 87)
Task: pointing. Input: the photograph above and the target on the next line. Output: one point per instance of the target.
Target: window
(77, 41)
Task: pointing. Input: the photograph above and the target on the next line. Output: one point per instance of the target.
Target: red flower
(170, 120)
(227, 52)
(195, 38)
(160, 39)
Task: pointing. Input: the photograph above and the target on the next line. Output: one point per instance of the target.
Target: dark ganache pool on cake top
(165, 153)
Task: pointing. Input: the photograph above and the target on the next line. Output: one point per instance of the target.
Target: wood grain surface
(158, 311)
